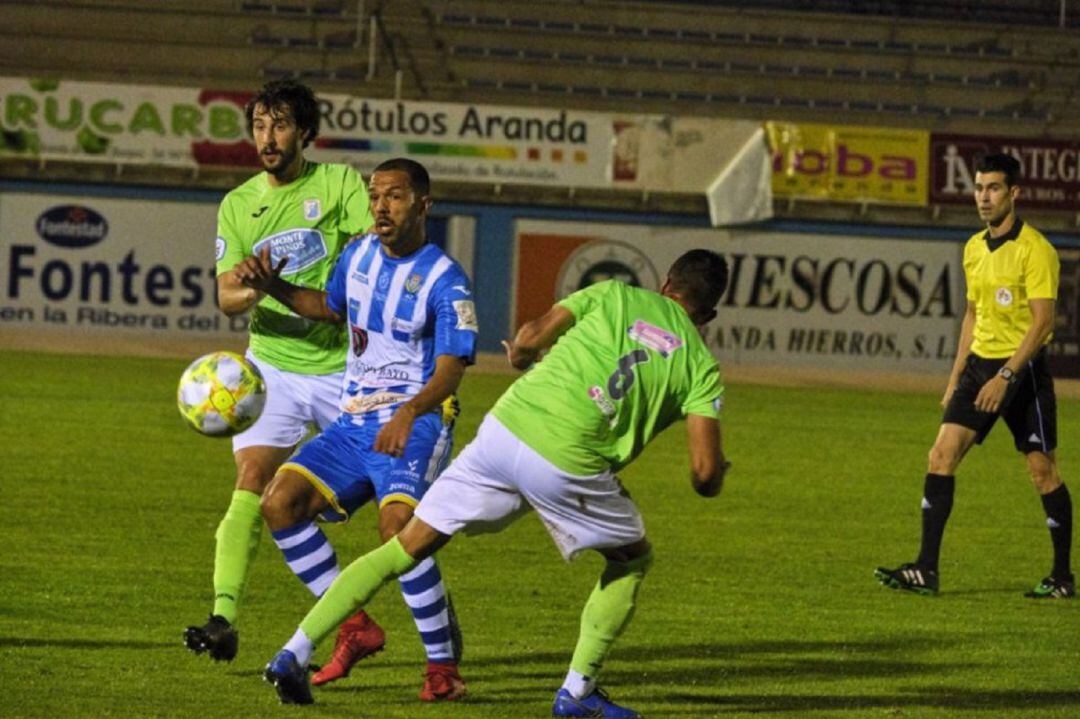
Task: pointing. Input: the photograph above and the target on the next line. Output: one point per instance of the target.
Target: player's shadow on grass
(935, 698)
(33, 642)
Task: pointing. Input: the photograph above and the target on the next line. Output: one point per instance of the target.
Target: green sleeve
(706, 396)
(580, 303)
(355, 209)
(227, 246)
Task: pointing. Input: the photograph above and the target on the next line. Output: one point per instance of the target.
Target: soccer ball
(221, 394)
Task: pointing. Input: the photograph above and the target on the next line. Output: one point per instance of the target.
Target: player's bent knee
(942, 460)
(1044, 472)
(256, 467)
(392, 519)
(287, 501)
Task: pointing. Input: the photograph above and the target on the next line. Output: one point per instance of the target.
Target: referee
(1000, 370)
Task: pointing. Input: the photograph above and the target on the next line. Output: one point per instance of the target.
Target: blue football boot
(595, 704)
(289, 679)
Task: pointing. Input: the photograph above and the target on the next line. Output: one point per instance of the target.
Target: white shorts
(293, 401)
(497, 478)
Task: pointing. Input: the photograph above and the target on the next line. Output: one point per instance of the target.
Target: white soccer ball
(221, 394)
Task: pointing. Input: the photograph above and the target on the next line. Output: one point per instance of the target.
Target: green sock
(237, 539)
(608, 611)
(355, 587)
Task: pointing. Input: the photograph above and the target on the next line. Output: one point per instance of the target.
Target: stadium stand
(884, 63)
(741, 61)
(830, 61)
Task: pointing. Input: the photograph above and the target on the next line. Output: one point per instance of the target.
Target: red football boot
(442, 683)
(357, 638)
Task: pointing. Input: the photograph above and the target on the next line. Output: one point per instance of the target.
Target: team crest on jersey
(1004, 296)
(219, 248)
(312, 209)
(413, 283)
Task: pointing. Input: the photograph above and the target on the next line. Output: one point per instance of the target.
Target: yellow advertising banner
(846, 163)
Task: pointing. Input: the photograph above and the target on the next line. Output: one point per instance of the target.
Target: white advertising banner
(78, 269)
(799, 300)
(95, 122)
(469, 143)
(188, 127)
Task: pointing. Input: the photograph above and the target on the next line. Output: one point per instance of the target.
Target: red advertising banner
(1050, 169)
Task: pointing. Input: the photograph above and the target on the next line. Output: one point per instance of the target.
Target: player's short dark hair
(700, 277)
(297, 97)
(419, 179)
(1000, 162)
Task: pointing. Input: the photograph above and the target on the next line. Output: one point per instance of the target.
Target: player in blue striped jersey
(412, 324)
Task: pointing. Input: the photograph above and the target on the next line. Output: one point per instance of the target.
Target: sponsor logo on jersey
(71, 226)
(219, 248)
(360, 277)
(304, 247)
(1004, 296)
(654, 337)
(312, 209)
(602, 402)
(466, 315)
(362, 403)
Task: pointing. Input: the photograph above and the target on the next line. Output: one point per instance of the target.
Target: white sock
(579, 685)
(301, 647)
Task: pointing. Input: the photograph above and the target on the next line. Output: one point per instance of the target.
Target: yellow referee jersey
(1022, 266)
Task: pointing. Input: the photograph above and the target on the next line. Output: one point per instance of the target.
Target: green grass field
(761, 601)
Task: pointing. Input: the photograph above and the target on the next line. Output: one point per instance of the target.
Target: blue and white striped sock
(422, 588)
(309, 555)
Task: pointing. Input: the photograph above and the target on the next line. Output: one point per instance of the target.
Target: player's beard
(280, 166)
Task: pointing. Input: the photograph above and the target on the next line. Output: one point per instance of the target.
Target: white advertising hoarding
(81, 270)
(794, 299)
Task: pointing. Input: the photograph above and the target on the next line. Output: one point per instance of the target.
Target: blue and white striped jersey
(402, 314)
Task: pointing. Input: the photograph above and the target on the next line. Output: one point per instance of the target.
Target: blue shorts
(342, 465)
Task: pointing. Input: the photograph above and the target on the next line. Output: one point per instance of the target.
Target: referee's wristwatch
(1008, 375)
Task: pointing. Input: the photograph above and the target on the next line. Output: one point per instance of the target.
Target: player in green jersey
(623, 364)
(305, 212)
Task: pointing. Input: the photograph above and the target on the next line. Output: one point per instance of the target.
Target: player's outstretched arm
(707, 463)
(257, 273)
(537, 335)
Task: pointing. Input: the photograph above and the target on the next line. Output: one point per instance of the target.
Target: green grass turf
(761, 602)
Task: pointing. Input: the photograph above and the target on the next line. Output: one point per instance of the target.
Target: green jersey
(309, 220)
(631, 365)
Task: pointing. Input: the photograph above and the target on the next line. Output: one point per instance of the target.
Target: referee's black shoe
(1053, 588)
(910, 577)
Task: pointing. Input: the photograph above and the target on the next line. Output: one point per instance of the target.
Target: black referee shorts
(1029, 407)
